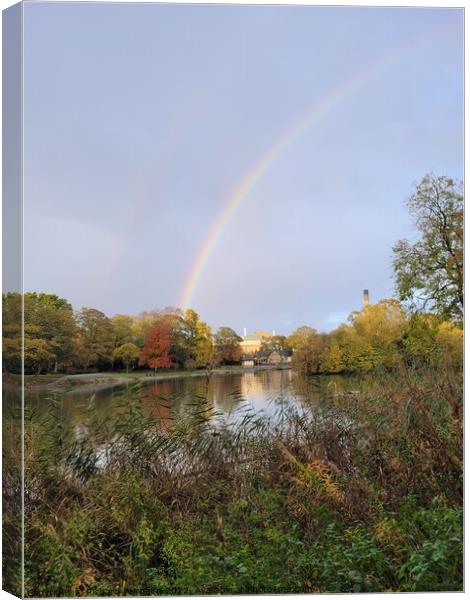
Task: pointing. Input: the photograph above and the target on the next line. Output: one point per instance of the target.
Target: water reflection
(266, 392)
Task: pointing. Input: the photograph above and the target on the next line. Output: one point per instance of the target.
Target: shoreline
(94, 382)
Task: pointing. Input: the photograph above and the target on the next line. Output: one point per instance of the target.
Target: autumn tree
(53, 317)
(200, 346)
(95, 339)
(123, 326)
(372, 339)
(429, 341)
(49, 330)
(127, 353)
(141, 325)
(180, 332)
(300, 336)
(429, 272)
(227, 346)
(12, 318)
(156, 353)
(310, 357)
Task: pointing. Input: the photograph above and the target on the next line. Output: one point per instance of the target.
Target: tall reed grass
(362, 494)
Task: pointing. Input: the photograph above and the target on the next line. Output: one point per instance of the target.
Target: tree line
(57, 339)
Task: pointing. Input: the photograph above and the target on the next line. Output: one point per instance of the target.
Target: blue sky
(140, 121)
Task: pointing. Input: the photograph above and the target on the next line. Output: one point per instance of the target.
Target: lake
(229, 396)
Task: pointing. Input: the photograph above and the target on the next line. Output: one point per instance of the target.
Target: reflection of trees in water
(226, 392)
(327, 390)
(169, 399)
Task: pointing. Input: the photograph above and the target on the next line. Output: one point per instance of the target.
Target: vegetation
(380, 337)
(430, 272)
(59, 340)
(227, 349)
(362, 494)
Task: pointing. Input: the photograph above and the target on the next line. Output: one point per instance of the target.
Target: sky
(143, 123)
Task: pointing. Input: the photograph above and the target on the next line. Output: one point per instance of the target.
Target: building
(251, 344)
(248, 361)
(273, 357)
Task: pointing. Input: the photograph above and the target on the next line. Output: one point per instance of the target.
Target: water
(229, 396)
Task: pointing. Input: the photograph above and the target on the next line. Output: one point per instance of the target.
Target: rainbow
(319, 108)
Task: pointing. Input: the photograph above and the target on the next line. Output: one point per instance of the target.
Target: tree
(372, 339)
(310, 357)
(55, 323)
(180, 334)
(276, 342)
(200, 346)
(128, 354)
(123, 329)
(429, 273)
(11, 332)
(157, 348)
(49, 330)
(300, 336)
(428, 341)
(227, 346)
(95, 340)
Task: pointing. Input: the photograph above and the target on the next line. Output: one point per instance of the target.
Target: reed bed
(363, 494)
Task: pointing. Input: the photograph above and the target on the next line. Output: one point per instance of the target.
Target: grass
(362, 495)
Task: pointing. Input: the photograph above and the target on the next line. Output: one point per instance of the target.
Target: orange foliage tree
(156, 353)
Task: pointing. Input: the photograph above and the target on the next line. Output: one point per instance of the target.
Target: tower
(365, 294)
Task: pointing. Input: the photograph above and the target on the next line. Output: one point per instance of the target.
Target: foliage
(200, 340)
(362, 496)
(95, 339)
(300, 336)
(227, 347)
(310, 356)
(49, 329)
(380, 337)
(123, 326)
(56, 339)
(429, 273)
(157, 351)
(128, 354)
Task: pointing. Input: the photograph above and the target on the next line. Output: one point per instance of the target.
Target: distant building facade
(251, 344)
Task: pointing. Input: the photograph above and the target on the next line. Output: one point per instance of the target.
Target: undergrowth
(362, 496)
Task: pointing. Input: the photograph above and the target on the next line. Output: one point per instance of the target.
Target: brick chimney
(365, 294)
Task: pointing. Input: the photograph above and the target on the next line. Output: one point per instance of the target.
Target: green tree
(227, 346)
(429, 273)
(95, 340)
(49, 330)
(53, 317)
(200, 346)
(11, 332)
(123, 329)
(128, 354)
